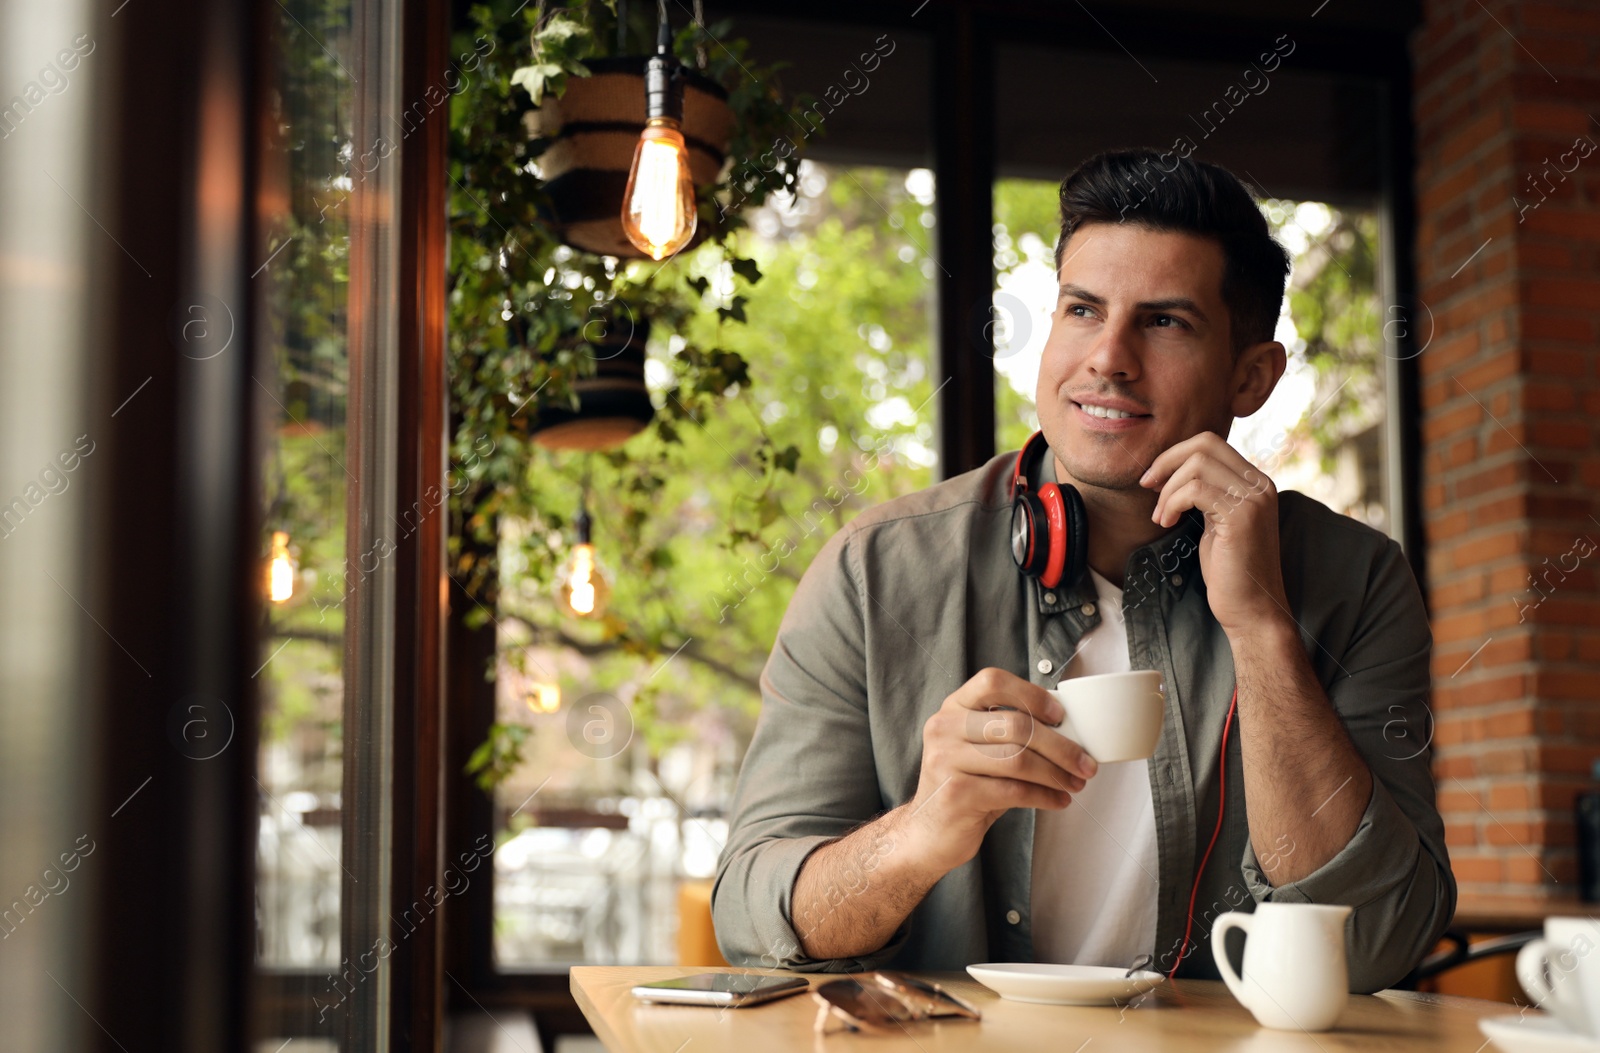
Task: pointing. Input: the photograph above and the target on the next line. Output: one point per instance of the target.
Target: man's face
(1140, 328)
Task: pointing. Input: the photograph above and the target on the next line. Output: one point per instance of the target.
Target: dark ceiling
(1068, 90)
(1072, 77)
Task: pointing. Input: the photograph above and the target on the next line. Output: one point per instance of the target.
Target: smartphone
(721, 989)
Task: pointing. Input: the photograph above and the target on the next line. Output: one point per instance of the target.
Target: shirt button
(1050, 598)
(1013, 917)
(1086, 610)
(1045, 665)
(1177, 580)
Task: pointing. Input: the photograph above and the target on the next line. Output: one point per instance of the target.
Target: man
(899, 804)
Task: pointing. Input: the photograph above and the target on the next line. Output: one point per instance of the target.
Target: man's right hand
(986, 751)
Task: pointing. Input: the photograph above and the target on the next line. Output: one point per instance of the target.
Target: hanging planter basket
(590, 133)
(614, 404)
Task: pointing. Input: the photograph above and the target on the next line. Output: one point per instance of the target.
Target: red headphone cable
(1222, 800)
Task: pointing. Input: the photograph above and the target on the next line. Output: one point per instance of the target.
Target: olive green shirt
(915, 596)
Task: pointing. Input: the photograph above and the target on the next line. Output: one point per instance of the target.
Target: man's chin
(1113, 480)
(1113, 471)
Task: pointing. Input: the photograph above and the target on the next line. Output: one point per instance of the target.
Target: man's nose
(1115, 353)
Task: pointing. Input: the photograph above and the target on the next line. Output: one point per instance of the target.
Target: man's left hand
(1239, 549)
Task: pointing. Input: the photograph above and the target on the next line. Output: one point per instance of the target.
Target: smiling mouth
(1107, 413)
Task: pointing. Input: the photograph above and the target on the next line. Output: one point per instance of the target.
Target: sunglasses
(876, 1002)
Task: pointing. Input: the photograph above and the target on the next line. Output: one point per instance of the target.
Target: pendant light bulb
(544, 698)
(658, 214)
(658, 207)
(581, 585)
(280, 569)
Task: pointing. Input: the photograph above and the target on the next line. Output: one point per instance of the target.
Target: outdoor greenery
(837, 335)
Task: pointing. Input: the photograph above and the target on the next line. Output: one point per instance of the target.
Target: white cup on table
(1561, 972)
(1115, 716)
(1295, 975)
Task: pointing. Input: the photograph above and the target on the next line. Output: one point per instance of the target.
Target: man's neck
(1119, 523)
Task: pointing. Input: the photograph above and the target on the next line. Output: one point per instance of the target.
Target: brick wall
(1508, 260)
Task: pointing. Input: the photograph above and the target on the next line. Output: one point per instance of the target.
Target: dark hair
(1171, 193)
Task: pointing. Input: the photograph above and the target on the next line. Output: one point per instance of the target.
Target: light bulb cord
(583, 524)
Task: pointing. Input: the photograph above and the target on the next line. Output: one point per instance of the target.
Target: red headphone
(1050, 541)
(1049, 526)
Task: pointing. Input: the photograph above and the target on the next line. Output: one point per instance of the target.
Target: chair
(1462, 953)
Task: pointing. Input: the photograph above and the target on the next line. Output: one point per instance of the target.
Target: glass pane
(300, 388)
(1322, 430)
(611, 826)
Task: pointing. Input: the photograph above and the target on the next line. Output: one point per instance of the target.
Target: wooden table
(1186, 1015)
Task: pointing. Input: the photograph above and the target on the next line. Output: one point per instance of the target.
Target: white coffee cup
(1295, 975)
(1561, 972)
(1115, 716)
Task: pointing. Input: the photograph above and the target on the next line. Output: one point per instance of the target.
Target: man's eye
(1079, 310)
(1167, 321)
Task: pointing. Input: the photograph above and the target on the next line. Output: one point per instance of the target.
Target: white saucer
(1536, 1034)
(1063, 984)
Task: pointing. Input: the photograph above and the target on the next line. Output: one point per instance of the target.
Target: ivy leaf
(786, 459)
(497, 756)
(537, 78)
(768, 510)
(699, 285)
(747, 270)
(736, 312)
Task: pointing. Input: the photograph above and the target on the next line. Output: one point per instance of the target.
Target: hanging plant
(535, 322)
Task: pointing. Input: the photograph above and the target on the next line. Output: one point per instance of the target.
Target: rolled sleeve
(1394, 871)
(809, 776)
(1394, 886)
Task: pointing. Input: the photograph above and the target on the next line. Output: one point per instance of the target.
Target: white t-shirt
(1094, 862)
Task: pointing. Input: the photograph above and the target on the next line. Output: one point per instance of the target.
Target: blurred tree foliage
(1333, 302)
(838, 337)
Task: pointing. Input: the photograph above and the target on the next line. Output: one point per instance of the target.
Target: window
(325, 391)
(622, 799)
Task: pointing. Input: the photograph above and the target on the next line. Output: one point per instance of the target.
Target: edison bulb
(658, 211)
(544, 698)
(581, 585)
(280, 569)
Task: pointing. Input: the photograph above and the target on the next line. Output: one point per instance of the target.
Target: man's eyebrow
(1078, 292)
(1175, 303)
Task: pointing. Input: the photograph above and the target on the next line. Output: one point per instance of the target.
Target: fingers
(1008, 732)
(1209, 456)
(996, 794)
(1213, 486)
(996, 762)
(991, 689)
(1213, 500)
(1207, 442)
(986, 742)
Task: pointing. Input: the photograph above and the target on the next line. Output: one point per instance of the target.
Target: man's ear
(1255, 373)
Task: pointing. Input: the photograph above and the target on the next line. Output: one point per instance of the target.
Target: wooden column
(963, 100)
